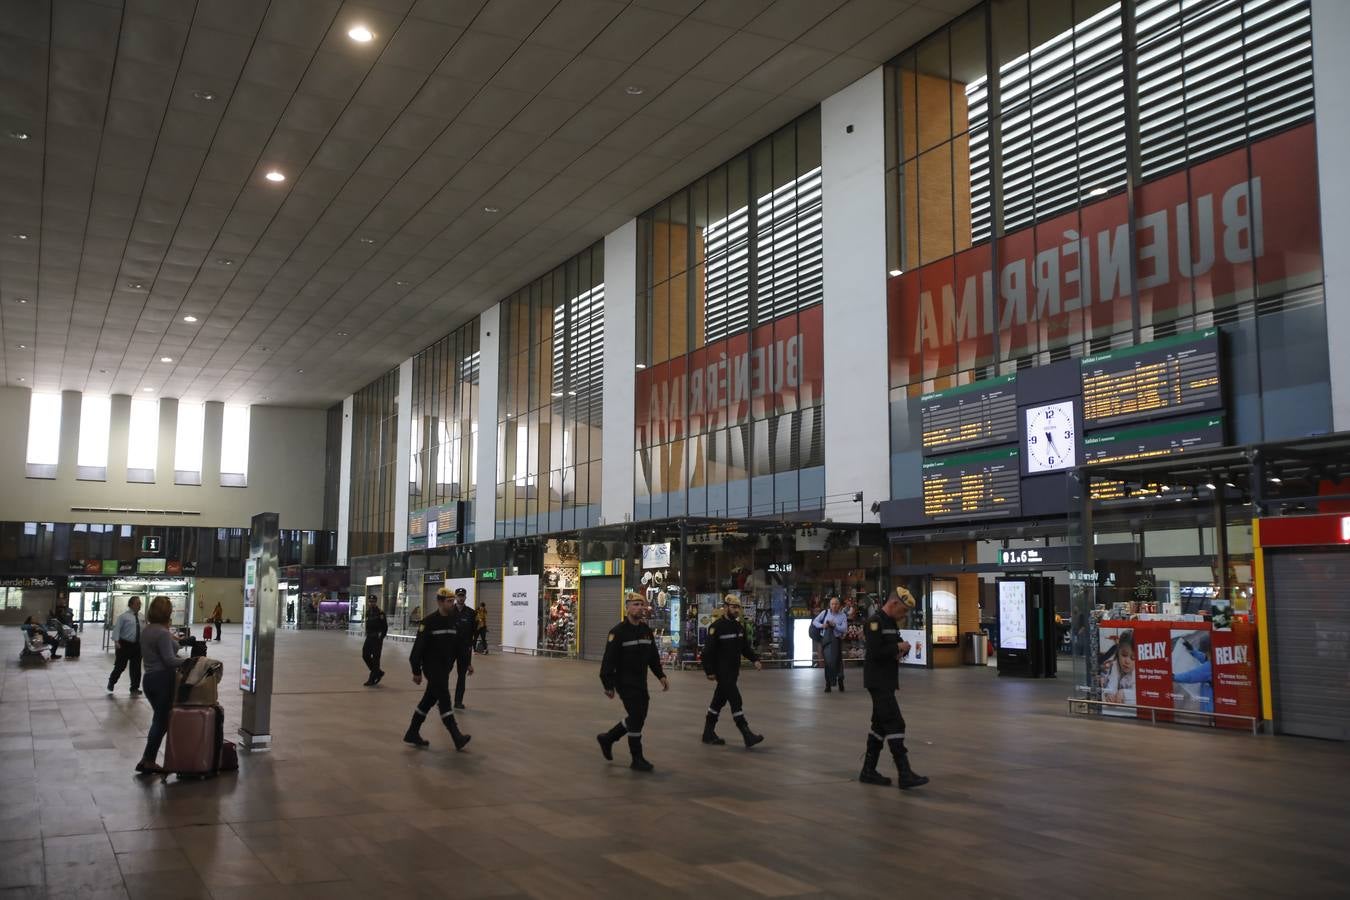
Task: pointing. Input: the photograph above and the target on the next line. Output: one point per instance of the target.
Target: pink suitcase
(194, 740)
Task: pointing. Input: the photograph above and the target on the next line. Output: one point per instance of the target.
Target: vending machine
(1026, 626)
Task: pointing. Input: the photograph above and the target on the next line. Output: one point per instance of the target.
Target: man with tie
(127, 632)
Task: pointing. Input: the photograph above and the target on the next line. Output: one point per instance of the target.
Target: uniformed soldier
(465, 624)
(881, 677)
(722, 654)
(377, 626)
(630, 651)
(435, 652)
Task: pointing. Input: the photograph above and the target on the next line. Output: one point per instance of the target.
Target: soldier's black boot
(869, 773)
(908, 778)
(639, 761)
(710, 731)
(607, 739)
(414, 733)
(460, 739)
(751, 739)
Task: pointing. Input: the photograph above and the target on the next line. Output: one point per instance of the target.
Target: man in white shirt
(127, 633)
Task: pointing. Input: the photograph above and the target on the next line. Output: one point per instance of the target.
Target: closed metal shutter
(490, 592)
(600, 604)
(1310, 634)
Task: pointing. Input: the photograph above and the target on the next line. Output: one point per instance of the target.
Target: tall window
(44, 435)
(91, 460)
(444, 443)
(234, 447)
(142, 440)
(187, 448)
(374, 466)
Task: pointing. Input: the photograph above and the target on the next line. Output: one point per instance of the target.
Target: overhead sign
(592, 568)
(1140, 442)
(979, 414)
(1174, 375)
(1034, 556)
(152, 543)
(983, 484)
(489, 575)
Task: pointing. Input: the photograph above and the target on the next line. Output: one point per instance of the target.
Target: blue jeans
(158, 688)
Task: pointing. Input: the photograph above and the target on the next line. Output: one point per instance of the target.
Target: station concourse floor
(1024, 801)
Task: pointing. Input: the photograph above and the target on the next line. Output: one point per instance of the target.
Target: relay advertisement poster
(1178, 667)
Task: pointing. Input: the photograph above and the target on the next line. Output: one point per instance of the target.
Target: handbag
(814, 631)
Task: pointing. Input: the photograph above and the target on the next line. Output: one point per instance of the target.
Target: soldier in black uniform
(377, 626)
(881, 677)
(630, 652)
(722, 663)
(435, 651)
(466, 624)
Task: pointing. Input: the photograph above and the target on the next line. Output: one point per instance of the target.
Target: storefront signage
(656, 556)
(1305, 531)
(592, 568)
(28, 582)
(433, 578)
(151, 566)
(489, 575)
(776, 368)
(1217, 231)
(520, 619)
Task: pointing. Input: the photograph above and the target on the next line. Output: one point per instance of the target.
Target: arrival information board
(1162, 378)
(972, 415)
(972, 485)
(1153, 441)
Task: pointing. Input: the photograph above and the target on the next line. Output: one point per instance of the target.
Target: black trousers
(220, 629)
(370, 653)
(128, 654)
(887, 722)
(437, 694)
(726, 692)
(832, 650)
(463, 660)
(635, 705)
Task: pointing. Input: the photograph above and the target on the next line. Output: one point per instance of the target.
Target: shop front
(315, 597)
(22, 596)
(101, 599)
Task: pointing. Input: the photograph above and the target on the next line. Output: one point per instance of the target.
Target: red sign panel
(1305, 531)
(1212, 234)
(776, 368)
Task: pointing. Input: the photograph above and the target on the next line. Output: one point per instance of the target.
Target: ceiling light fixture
(1211, 485)
(275, 176)
(189, 318)
(166, 359)
(21, 235)
(299, 371)
(895, 272)
(208, 96)
(23, 346)
(21, 378)
(642, 365)
(556, 395)
(632, 90)
(20, 135)
(361, 34)
(23, 299)
(402, 283)
(366, 240)
(491, 209)
(343, 334)
(147, 390)
(225, 261)
(136, 285)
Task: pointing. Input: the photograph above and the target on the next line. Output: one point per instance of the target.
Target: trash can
(977, 648)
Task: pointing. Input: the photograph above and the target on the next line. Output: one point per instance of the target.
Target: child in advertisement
(1116, 675)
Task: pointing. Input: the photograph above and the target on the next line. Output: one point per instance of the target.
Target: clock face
(1051, 437)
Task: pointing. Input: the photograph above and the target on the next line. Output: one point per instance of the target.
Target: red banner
(1214, 234)
(776, 368)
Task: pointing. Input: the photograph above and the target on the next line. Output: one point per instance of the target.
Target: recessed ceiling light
(571, 393)
(264, 398)
(361, 34)
(21, 378)
(23, 346)
(402, 283)
(299, 371)
(366, 240)
(642, 365)
(274, 175)
(491, 209)
(23, 299)
(895, 272)
(21, 235)
(225, 261)
(20, 135)
(166, 359)
(189, 318)
(343, 334)
(632, 90)
(136, 285)
(147, 390)
(208, 96)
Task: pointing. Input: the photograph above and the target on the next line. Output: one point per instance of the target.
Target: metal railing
(1080, 706)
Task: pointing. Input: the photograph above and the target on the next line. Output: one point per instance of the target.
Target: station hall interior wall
(285, 472)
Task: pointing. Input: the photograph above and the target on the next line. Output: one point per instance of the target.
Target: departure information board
(1153, 441)
(972, 415)
(1175, 375)
(972, 485)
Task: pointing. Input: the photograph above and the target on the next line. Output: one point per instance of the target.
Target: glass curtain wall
(445, 427)
(550, 386)
(374, 452)
(729, 409)
(1065, 177)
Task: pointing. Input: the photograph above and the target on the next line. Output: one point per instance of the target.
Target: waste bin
(977, 648)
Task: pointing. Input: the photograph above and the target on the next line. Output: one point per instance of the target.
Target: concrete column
(1331, 72)
(168, 440)
(485, 479)
(119, 427)
(403, 455)
(70, 436)
(345, 483)
(211, 437)
(853, 163)
(616, 490)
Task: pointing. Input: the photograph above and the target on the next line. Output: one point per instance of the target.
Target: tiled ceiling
(135, 137)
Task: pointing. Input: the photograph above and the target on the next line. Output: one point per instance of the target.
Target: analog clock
(1051, 437)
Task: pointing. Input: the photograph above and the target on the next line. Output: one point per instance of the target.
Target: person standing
(127, 633)
(466, 622)
(377, 626)
(159, 651)
(218, 617)
(881, 677)
(630, 651)
(832, 623)
(434, 652)
(480, 631)
(722, 654)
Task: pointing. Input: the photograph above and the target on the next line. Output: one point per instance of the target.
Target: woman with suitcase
(159, 658)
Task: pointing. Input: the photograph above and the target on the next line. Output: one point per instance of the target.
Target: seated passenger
(33, 632)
